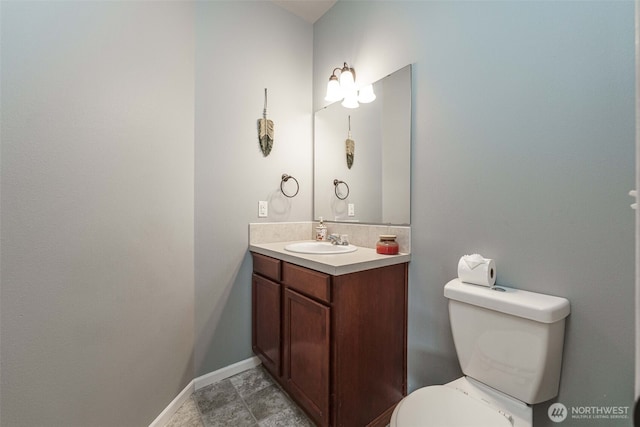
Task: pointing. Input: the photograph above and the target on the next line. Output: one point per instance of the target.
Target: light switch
(351, 209)
(263, 209)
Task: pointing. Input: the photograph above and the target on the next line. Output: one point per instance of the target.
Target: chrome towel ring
(337, 182)
(286, 178)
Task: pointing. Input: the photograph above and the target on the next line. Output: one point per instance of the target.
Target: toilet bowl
(509, 344)
(460, 403)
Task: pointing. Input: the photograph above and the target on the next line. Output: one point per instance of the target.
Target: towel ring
(335, 190)
(286, 178)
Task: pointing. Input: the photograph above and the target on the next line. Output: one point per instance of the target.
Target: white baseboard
(226, 372)
(200, 382)
(164, 417)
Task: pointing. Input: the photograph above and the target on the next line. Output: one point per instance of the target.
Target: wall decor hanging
(351, 147)
(265, 130)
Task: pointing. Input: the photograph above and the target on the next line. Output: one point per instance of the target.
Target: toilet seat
(444, 406)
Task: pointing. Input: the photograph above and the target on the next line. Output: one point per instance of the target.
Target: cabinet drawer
(309, 282)
(266, 266)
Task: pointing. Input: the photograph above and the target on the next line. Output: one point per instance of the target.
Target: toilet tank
(509, 339)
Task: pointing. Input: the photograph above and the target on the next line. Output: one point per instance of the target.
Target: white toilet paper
(477, 270)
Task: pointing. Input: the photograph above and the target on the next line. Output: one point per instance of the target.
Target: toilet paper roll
(477, 270)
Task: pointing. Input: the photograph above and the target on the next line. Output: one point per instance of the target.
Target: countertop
(334, 264)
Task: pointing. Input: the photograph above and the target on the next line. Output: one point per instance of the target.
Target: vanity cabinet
(336, 344)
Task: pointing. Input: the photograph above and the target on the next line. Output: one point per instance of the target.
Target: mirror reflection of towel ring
(336, 183)
(286, 178)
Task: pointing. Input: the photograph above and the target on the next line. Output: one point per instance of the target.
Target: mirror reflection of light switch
(351, 210)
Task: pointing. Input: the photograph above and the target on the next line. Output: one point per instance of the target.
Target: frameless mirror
(376, 188)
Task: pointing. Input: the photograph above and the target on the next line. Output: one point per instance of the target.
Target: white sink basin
(319, 248)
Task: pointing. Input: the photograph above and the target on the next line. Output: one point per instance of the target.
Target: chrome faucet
(336, 239)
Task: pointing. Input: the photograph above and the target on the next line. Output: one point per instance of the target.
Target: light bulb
(351, 100)
(347, 78)
(366, 94)
(334, 92)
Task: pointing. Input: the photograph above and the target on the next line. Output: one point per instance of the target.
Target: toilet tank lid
(529, 305)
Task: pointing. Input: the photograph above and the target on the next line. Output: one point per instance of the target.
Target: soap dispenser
(321, 230)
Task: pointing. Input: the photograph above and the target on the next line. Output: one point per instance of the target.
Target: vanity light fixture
(345, 88)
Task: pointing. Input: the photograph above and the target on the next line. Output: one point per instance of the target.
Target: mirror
(376, 188)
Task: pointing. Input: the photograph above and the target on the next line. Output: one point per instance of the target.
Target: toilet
(509, 345)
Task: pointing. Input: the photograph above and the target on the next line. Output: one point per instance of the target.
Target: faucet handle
(339, 239)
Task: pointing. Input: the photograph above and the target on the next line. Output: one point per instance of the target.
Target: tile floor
(250, 398)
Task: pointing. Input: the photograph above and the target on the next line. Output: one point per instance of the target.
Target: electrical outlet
(263, 209)
(351, 209)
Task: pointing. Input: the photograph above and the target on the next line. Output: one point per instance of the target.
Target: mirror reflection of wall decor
(351, 146)
(265, 130)
(380, 185)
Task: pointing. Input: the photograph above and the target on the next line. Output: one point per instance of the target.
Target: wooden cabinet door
(266, 305)
(370, 340)
(306, 353)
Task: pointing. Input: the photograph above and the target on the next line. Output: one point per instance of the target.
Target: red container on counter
(387, 245)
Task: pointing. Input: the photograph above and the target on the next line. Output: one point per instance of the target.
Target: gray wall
(130, 170)
(97, 322)
(127, 127)
(242, 48)
(637, 299)
(523, 134)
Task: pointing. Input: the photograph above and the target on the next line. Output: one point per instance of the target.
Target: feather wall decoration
(351, 147)
(265, 130)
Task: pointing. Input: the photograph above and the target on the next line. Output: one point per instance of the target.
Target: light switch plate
(351, 209)
(263, 209)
